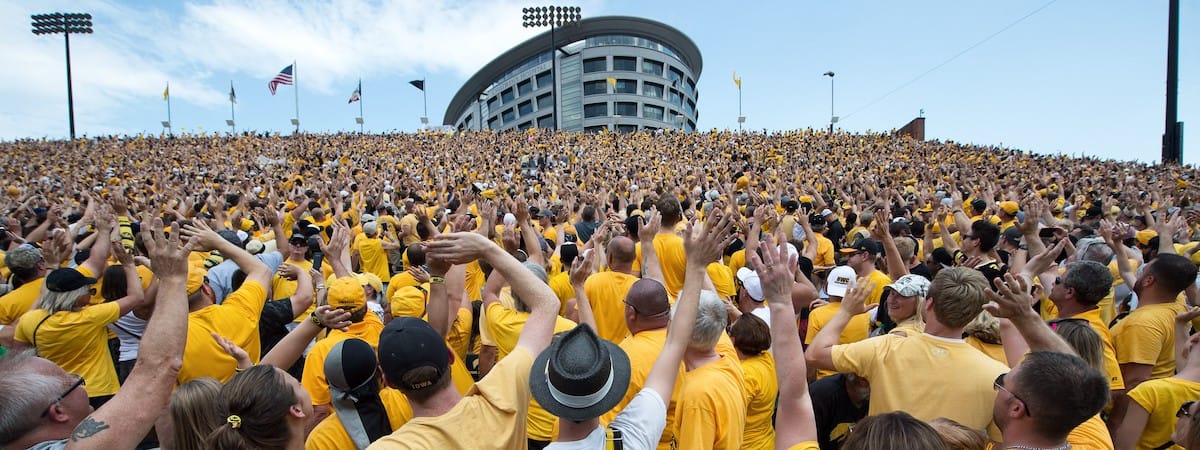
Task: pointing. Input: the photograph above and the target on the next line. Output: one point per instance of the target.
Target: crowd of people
(722, 290)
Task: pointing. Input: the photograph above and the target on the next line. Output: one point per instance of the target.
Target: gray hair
(25, 392)
(710, 321)
(53, 302)
(1098, 252)
(540, 273)
(1091, 281)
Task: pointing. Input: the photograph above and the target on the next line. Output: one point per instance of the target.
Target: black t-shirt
(584, 231)
(836, 233)
(834, 411)
(273, 324)
(922, 270)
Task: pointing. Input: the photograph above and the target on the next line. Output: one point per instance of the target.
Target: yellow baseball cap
(346, 293)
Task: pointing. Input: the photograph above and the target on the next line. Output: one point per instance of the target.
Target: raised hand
(459, 248)
(1013, 299)
(776, 270)
(651, 223)
(855, 300)
(169, 254)
(706, 245)
(581, 268)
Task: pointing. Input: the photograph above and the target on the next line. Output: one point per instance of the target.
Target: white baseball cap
(749, 279)
(840, 279)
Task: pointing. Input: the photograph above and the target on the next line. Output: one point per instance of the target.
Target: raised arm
(650, 225)
(1013, 302)
(580, 306)
(461, 248)
(702, 249)
(820, 352)
(134, 296)
(207, 239)
(795, 421)
(125, 420)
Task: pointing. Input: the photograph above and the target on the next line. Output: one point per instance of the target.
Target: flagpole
(360, 107)
(296, 87)
(424, 98)
(739, 106)
(170, 128)
(232, 114)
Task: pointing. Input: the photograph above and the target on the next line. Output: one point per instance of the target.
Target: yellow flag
(613, 82)
(167, 92)
(737, 80)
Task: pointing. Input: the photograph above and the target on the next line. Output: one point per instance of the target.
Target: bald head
(651, 309)
(621, 252)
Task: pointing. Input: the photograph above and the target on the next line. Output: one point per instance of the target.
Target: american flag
(357, 95)
(284, 77)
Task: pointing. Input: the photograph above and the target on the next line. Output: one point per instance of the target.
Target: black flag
(419, 84)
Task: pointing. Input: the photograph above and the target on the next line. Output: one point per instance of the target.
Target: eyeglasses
(1054, 323)
(999, 386)
(1185, 410)
(78, 382)
(1057, 280)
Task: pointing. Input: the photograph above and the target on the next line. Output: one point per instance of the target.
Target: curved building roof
(466, 96)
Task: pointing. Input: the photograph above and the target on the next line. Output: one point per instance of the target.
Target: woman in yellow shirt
(752, 338)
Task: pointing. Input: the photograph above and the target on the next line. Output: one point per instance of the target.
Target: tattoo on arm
(88, 428)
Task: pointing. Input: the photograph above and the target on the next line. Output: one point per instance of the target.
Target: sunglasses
(1185, 409)
(968, 236)
(78, 382)
(999, 386)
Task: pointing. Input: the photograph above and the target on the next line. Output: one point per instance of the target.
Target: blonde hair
(958, 295)
(984, 327)
(193, 413)
(54, 302)
(957, 436)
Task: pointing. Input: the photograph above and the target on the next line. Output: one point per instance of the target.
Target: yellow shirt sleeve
(1138, 344)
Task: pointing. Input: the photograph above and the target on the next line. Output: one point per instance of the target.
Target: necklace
(1065, 446)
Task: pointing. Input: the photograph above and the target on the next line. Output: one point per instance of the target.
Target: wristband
(437, 280)
(316, 320)
(320, 286)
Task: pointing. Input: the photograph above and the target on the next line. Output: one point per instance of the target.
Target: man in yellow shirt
(236, 319)
(892, 362)
(29, 270)
(606, 291)
(1076, 294)
(414, 359)
(370, 252)
(1145, 339)
(347, 294)
(712, 407)
(668, 246)
(1148, 421)
(840, 279)
(825, 246)
(363, 409)
(862, 256)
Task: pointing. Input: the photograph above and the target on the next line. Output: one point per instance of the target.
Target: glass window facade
(508, 95)
(652, 112)
(509, 115)
(627, 109)
(595, 87)
(595, 110)
(652, 67)
(546, 121)
(601, 41)
(652, 89)
(525, 108)
(545, 101)
(524, 87)
(625, 63)
(544, 79)
(595, 65)
(626, 87)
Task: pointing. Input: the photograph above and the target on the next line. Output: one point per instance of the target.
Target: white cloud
(198, 46)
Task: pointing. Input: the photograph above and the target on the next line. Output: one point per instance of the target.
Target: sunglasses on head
(1185, 410)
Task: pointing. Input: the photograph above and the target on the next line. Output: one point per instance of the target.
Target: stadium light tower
(555, 17)
(832, 118)
(65, 23)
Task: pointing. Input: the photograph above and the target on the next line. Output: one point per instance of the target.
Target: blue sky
(1076, 77)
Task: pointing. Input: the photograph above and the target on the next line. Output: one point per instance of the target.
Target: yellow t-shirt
(504, 326)
(236, 320)
(1147, 336)
(1162, 398)
(330, 434)
(475, 281)
(759, 374)
(560, 283)
(1111, 367)
(606, 292)
(737, 260)
(712, 409)
(411, 221)
(313, 379)
(856, 330)
(493, 410)
(1091, 435)
(881, 280)
(643, 349)
(994, 351)
(372, 257)
(16, 303)
(807, 445)
(77, 341)
(722, 280)
(891, 363)
(668, 249)
(824, 252)
(459, 335)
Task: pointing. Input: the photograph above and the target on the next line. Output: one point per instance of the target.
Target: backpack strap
(612, 439)
(35, 330)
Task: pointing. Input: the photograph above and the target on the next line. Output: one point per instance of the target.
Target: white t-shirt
(641, 424)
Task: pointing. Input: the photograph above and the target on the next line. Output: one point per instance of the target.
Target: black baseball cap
(407, 343)
(67, 280)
